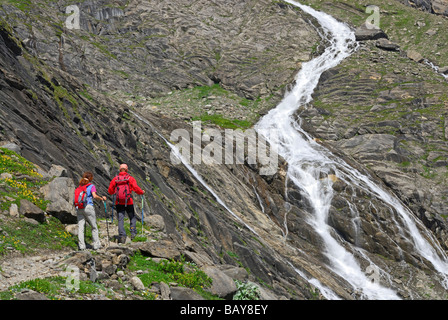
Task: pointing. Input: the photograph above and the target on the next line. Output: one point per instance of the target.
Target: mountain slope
(92, 98)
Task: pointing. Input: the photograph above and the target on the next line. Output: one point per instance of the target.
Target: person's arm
(135, 187)
(111, 188)
(96, 196)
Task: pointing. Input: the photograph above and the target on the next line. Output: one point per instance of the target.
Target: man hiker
(84, 196)
(122, 187)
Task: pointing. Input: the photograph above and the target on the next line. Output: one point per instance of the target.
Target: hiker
(86, 211)
(122, 187)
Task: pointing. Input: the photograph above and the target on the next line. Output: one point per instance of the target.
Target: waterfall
(308, 161)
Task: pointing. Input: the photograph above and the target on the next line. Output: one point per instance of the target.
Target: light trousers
(87, 214)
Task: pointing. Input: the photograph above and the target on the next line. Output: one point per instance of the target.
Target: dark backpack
(80, 200)
(122, 190)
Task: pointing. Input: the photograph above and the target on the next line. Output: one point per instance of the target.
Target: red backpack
(122, 190)
(80, 200)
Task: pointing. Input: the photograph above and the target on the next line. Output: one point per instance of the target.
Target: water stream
(308, 161)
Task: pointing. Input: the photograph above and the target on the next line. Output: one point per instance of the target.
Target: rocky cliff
(110, 91)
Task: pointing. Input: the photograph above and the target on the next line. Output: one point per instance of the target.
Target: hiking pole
(143, 199)
(107, 223)
(113, 207)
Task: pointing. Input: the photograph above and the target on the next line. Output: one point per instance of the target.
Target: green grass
(183, 273)
(13, 189)
(23, 5)
(53, 287)
(28, 238)
(225, 123)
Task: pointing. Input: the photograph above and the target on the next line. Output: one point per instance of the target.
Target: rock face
(433, 6)
(60, 91)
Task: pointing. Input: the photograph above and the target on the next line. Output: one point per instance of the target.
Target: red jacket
(132, 186)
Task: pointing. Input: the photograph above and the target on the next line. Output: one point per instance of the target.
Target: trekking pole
(107, 223)
(113, 206)
(143, 199)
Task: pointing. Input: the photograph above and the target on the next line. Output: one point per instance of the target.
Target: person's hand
(104, 198)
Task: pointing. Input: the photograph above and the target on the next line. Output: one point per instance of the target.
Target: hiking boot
(122, 239)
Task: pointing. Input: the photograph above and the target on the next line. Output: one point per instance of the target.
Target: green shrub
(246, 291)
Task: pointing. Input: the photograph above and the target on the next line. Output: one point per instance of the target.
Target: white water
(307, 160)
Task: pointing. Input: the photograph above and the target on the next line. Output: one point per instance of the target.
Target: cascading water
(308, 161)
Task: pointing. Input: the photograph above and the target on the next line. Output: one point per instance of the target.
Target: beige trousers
(87, 214)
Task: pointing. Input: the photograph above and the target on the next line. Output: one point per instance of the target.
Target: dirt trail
(15, 269)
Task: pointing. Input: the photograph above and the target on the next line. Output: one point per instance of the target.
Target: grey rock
(369, 32)
(13, 147)
(165, 291)
(30, 210)
(222, 285)
(137, 283)
(28, 294)
(60, 193)
(182, 293)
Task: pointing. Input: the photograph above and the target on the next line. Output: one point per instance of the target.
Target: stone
(160, 249)
(155, 222)
(30, 210)
(414, 55)
(60, 193)
(13, 147)
(182, 293)
(14, 210)
(57, 171)
(385, 44)
(222, 285)
(443, 70)
(72, 229)
(28, 294)
(137, 283)
(165, 291)
(236, 273)
(369, 32)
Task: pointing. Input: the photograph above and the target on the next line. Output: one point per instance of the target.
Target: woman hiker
(122, 187)
(88, 213)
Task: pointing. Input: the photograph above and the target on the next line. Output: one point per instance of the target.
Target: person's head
(87, 177)
(123, 167)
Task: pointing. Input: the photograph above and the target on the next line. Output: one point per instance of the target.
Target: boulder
(414, 55)
(181, 293)
(12, 146)
(160, 249)
(387, 45)
(57, 171)
(30, 210)
(165, 291)
(60, 193)
(137, 283)
(14, 210)
(155, 222)
(222, 285)
(28, 294)
(237, 273)
(369, 32)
